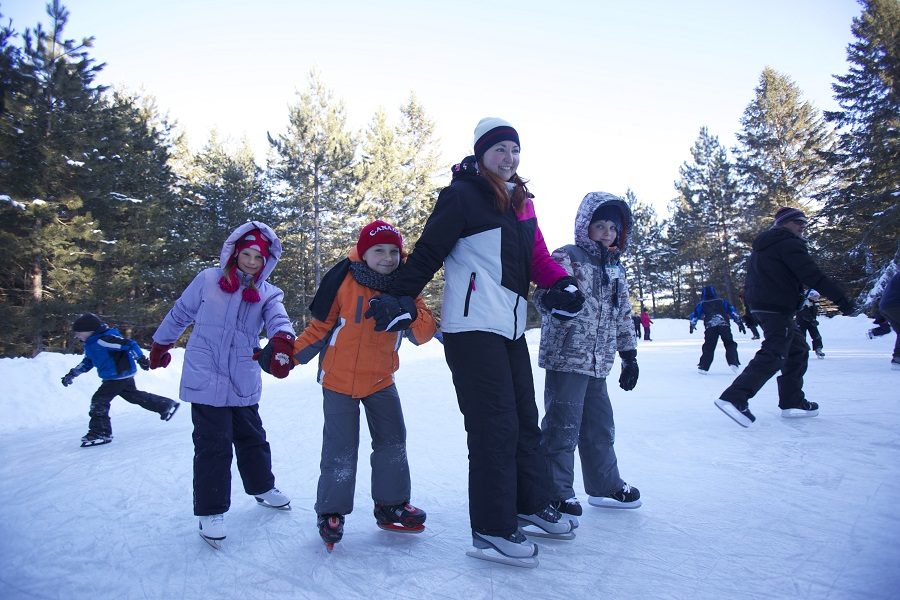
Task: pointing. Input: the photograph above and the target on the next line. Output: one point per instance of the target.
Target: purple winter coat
(218, 366)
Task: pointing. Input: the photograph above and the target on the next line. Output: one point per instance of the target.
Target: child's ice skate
(404, 518)
(274, 499)
(331, 529)
(212, 530)
(515, 549)
(548, 523)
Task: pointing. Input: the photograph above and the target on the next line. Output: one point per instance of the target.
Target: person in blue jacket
(114, 357)
(715, 313)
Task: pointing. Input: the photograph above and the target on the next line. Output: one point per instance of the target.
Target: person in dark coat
(636, 319)
(715, 313)
(889, 307)
(808, 323)
(779, 268)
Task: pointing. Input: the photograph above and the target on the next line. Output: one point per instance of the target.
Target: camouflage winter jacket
(588, 343)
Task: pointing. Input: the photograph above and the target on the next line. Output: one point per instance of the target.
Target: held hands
(628, 378)
(69, 377)
(144, 363)
(277, 357)
(159, 355)
(563, 300)
(741, 327)
(392, 313)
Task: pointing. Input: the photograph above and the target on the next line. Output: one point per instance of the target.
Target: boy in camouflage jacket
(579, 353)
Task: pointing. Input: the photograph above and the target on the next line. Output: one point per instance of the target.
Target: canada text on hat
(490, 131)
(786, 214)
(378, 232)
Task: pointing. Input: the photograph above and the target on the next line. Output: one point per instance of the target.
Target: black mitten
(392, 313)
(564, 300)
(69, 377)
(628, 378)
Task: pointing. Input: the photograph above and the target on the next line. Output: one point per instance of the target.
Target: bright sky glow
(605, 95)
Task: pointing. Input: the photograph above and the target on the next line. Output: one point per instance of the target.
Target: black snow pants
(216, 429)
(783, 348)
(710, 338)
(508, 471)
(125, 388)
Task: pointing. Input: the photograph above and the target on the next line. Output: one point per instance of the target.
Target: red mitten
(159, 355)
(277, 357)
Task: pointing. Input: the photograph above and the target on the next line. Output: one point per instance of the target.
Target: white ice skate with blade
(212, 530)
(274, 499)
(515, 550)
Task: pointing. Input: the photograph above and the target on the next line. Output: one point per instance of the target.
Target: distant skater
(115, 358)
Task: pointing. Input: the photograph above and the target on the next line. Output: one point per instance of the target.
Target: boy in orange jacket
(356, 366)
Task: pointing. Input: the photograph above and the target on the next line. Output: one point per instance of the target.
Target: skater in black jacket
(890, 308)
(779, 267)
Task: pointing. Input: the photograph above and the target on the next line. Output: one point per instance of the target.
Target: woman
(485, 233)
(228, 307)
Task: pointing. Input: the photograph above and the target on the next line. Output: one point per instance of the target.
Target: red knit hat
(253, 239)
(378, 232)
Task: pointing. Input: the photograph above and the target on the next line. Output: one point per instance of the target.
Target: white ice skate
(212, 530)
(274, 499)
(515, 550)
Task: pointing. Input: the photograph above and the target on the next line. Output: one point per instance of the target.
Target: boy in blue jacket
(114, 357)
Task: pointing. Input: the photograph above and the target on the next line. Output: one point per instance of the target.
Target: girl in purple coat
(228, 307)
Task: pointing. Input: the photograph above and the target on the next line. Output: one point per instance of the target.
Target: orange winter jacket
(354, 359)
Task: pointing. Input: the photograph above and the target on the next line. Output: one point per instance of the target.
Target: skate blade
(798, 413)
(531, 530)
(611, 503)
(267, 505)
(733, 413)
(215, 543)
(400, 528)
(94, 443)
(492, 555)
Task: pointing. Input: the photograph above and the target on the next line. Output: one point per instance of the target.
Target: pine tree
(50, 100)
(642, 256)
(781, 152)
(863, 214)
(708, 215)
(313, 176)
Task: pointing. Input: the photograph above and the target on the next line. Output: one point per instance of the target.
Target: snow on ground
(800, 508)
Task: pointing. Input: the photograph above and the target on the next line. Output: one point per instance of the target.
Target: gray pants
(340, 448)
(578, 413)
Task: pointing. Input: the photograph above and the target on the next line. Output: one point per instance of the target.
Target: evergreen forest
(105, 208)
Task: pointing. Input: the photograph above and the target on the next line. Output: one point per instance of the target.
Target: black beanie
(87, 322)
(608, 212)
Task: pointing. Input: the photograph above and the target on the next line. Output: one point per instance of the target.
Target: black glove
(392, 313)
(628, 378)
(693, 327)
(564, 299)
(144, 363)
(741, 328)
(69, 377)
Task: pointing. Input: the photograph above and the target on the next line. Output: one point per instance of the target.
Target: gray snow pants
(340, 448)
(578, 413)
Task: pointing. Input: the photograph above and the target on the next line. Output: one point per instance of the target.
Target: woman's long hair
(502, 198)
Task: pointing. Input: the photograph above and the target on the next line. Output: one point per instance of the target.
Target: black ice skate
(95, 439)
(404, 518)
(807, 409)
(625, 497)
(331, 528)
(741, 416)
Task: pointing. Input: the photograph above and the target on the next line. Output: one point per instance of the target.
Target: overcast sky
(605, 95)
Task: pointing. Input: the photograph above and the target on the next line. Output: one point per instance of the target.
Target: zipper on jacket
(469, 294)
